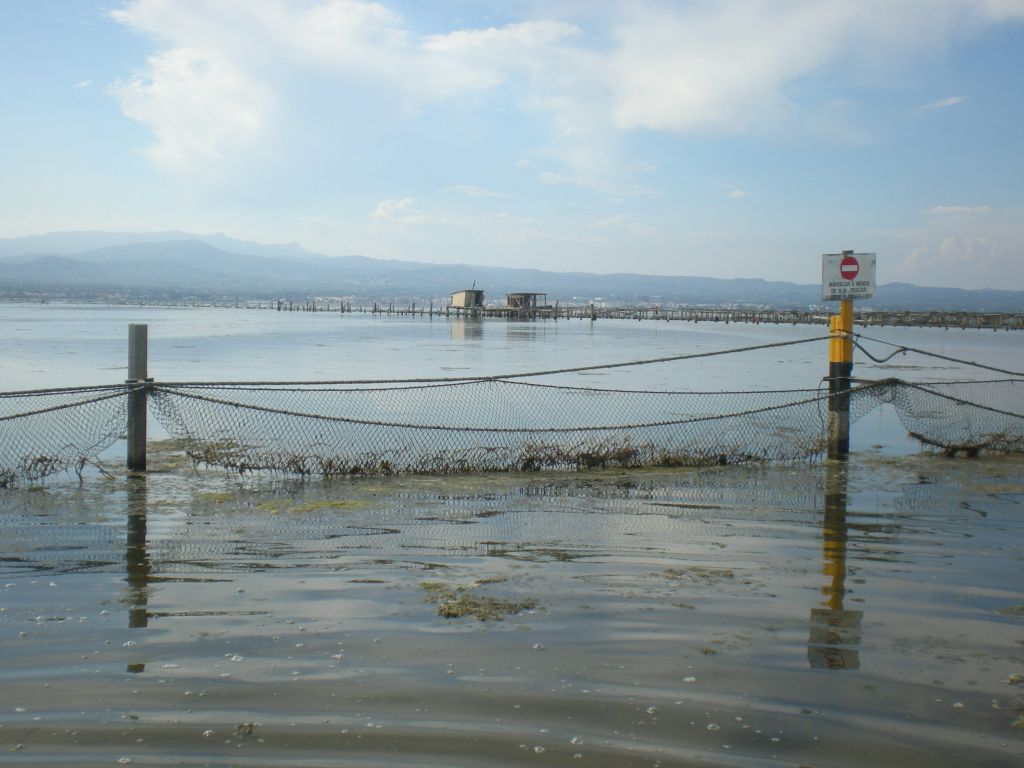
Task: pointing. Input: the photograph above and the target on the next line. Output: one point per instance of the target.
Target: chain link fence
(485, 425)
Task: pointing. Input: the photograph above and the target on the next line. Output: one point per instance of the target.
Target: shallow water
(56, 345)
(817, 614)
(812, 615)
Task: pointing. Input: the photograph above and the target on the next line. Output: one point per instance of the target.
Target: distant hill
(66, 243)
(177, 265)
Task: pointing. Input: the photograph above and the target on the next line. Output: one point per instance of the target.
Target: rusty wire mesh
(969, 416)
(487, 425)
(43, 432)
(493, 424)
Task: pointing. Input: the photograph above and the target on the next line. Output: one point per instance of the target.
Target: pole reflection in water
(835, 632)
(137, 564)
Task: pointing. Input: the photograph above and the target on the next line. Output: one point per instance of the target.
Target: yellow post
(840, 367)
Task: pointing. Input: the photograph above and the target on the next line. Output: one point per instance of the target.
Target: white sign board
(847, 276)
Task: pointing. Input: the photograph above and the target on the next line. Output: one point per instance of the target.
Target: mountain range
(180, 266)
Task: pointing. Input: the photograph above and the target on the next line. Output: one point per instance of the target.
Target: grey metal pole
(138, 363)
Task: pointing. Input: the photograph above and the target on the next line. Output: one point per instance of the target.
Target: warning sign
(847, 275)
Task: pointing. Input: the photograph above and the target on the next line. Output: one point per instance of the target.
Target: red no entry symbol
(849, 267)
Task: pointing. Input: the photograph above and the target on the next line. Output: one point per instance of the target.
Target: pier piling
(138, 354)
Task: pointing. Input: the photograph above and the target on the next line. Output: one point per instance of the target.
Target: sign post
(844, 277)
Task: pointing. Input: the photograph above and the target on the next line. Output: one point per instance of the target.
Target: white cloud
(729, 66)
(226, 70)
(952, 101)
(610, 188)
(737, 194)
(83, 84)
(198, 106)
(471, 191)
(966, 261)
(966, 246)
(393, 208)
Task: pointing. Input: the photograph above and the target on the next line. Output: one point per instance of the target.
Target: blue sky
(727, 139)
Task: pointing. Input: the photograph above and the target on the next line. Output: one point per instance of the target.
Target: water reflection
(834, 632)
(137, 562)
(467, 328)
(528, 328)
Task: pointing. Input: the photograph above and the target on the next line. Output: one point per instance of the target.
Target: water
(822, 614)
(70, 345)
(56, 345)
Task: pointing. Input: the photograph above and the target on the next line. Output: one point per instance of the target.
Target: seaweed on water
(463, 601)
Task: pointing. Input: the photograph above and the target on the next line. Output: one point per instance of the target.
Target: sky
(738, 138)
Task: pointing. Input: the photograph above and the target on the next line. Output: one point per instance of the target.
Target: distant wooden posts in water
(430, 308)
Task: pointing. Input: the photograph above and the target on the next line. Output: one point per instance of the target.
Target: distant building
(470, 298)
(526, 300)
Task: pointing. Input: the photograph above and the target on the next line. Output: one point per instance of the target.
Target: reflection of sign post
(835, 633)
(847, 275)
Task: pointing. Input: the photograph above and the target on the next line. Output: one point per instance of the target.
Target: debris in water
(460, 601)
(245, 729)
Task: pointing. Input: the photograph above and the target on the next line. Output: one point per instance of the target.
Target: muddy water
(813, 615)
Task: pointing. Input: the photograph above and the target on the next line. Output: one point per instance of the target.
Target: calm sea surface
(823, 614)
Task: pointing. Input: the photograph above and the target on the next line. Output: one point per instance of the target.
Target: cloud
(737, 194)
(82, 84)
(198, 105)
(952, 101)
(966, 246)
(958, 210)
(225, 72)
(393, 208)
(966, 261)
(730, 67)
(225, 67)
(610, 188)
(471, 191)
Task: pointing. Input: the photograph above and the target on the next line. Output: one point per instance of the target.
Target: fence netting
(481, 425)
(43, 432)
(502, 425)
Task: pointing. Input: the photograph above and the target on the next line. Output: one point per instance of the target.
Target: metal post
(840, 368)
(138, 355)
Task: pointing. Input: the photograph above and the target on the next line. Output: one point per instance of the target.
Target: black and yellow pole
(840, 368)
